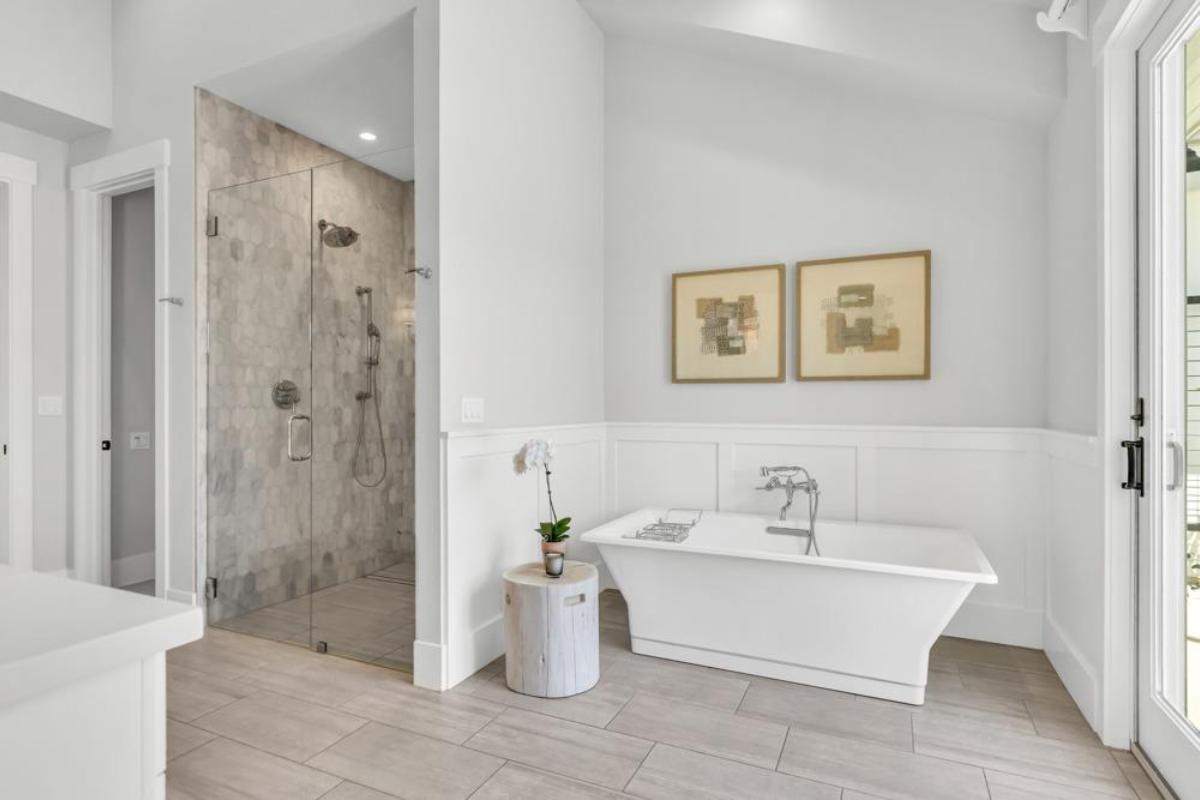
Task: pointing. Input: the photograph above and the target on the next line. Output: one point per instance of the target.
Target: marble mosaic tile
(272, 302)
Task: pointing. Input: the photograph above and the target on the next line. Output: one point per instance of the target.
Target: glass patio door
(260, 408)
(1168, 591)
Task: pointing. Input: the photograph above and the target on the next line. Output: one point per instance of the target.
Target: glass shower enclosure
(310, 411)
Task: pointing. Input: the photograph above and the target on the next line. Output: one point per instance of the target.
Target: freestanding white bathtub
(859, 618)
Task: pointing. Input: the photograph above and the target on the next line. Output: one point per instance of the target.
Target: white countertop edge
(45, 672)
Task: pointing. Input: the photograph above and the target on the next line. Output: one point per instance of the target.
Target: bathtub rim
(606, 535)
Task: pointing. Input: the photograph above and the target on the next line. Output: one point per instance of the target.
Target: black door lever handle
(1135, 466)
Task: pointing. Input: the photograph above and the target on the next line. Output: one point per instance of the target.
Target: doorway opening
(119, 205)
(131, 401)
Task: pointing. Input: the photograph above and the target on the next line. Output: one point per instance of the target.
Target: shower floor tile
(371, 619)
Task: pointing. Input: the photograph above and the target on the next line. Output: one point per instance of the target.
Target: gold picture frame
(728, 325)
(886, 338)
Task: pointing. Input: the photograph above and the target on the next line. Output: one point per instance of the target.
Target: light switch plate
(50, 405)
(139, 440)
(472, 410)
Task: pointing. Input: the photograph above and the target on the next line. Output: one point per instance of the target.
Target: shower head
(337, 235)
(373, 331)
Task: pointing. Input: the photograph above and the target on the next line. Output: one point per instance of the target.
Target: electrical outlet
(472, 410)
(139, 440)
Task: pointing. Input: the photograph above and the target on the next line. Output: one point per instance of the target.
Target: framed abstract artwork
(863, 318)
(727, 325)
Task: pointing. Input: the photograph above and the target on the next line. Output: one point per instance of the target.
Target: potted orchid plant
(534, 455)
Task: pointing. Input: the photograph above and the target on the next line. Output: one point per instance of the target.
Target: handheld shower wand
(374, 346)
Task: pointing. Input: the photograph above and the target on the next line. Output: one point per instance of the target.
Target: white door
(1168, 715)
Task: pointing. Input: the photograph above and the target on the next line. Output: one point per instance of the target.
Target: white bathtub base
(779, 670)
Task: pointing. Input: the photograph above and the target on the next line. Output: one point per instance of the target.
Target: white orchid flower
(534, 454)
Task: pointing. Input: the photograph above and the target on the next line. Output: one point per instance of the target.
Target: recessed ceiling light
(367, 136)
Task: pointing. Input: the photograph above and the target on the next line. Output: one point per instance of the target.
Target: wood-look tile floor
(250, 718)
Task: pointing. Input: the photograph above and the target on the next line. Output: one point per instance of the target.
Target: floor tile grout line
(269, 754)
(1100, 795)
(503, 763)
(782, 749)
(1041, 777)
(332, 789)
(642, 763)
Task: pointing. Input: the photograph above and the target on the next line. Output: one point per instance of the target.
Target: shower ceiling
(334, 89)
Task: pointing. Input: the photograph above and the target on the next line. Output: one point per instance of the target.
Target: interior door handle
(1178, 474)
(291, 437)
(1134, 467)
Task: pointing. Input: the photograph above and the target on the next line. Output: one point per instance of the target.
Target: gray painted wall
(1072, 339)
(51, 337)
(711, 163)
(132, 372)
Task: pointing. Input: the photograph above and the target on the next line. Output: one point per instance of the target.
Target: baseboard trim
(1002, 624)
(429, 660)
(181, 596)
(133, 569)
(1076, 673)
(483, 646)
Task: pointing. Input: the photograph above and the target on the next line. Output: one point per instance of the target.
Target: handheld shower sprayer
(374, 346)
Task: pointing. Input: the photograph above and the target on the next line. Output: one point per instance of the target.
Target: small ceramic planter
(554, 547)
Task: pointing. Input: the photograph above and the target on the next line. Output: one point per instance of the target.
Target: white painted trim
(429, 451)
(429, 661)
(462, 652)
(1076, 672)
(180, 596)
(21, 176)
(15, 168)
(1119, 32)
(93, 185)
(124, 171)
(133, 569)
(1003, 624)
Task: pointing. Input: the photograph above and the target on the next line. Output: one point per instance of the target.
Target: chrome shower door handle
(291, 437)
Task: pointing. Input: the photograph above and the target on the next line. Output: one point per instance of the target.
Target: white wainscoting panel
(491, 517)
(987, 482)
(667, 473)
(990, 482)
(1075, 558)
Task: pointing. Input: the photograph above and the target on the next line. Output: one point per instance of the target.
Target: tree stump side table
(552, 626)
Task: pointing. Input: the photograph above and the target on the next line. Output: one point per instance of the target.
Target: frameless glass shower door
(311, 411)
(260, 408)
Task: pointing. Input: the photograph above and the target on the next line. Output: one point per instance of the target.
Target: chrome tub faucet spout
(785, 478)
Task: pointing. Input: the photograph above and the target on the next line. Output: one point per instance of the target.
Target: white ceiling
(331, 91)
(983, 56)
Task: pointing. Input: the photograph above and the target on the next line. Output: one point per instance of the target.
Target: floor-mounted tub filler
(718, 589)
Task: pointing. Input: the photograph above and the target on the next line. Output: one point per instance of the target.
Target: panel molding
(991, 462)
